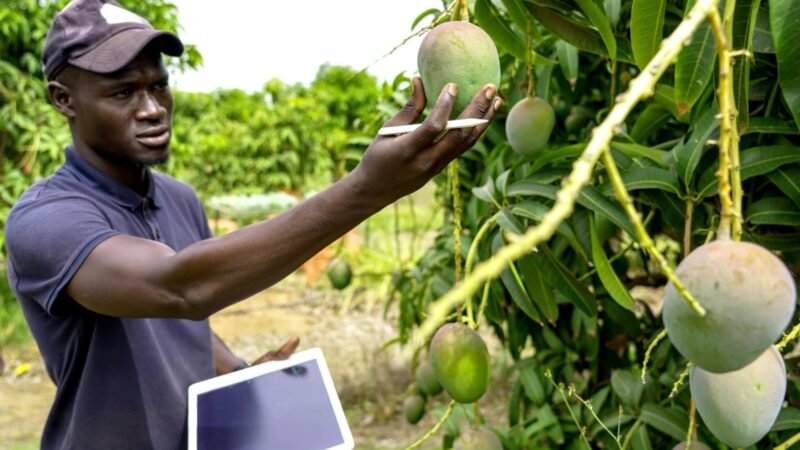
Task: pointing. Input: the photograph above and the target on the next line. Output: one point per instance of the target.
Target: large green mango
(740, 407)
(480, 439)
(460, 360)
(460, 53)
(529, 124)
(749, 296)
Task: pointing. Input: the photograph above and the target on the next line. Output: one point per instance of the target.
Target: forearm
(216, 273)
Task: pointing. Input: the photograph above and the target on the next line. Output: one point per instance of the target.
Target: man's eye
(162, 85)
(125, 93)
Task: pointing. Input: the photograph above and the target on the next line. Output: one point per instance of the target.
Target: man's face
(125, 117)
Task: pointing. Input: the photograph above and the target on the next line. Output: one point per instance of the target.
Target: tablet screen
(286, 409)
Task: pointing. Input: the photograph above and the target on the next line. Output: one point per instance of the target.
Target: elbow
(190, 306)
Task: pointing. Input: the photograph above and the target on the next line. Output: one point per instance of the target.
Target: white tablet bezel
(312, 354)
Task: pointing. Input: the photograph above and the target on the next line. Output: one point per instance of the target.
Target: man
(114, 265)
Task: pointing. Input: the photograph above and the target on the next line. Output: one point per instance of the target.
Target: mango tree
(674, 135)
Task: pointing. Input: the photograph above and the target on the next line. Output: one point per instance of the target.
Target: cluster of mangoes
(738, 377)
(443, 58)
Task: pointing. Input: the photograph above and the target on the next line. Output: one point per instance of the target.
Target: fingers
(434, 124)
(484, 105)
(283, 352)
(412, 110)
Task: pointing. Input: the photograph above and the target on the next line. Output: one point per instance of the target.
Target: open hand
(394, 166)
(283, 352)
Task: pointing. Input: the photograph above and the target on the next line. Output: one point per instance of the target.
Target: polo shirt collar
(99, 181)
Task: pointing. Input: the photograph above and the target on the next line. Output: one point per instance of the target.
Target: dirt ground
(369, 380)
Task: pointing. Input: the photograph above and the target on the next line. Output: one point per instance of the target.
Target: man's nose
(150, 108)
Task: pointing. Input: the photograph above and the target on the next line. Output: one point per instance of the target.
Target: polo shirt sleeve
(47, 241)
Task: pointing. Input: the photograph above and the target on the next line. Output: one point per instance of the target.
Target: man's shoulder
(55, 188)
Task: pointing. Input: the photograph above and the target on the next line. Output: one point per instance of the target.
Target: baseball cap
(100, 36)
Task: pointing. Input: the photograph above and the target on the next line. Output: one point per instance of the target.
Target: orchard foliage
(578, 314)
(284, 137)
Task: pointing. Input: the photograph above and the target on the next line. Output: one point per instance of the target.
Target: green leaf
(744, 25)
(607, 275)
(784, 16)
(568, 152)
(577, 34)
(640, 151)
(687, 156)
(565, 282)
(641, 439)
(694, 68)
(531, 382)
(788, 419)
(516, 11)
(754, 161)
(428, 12)
(534, 210)
(649, 121)
(671, 422)
(505, 38)
(762, 40)
(788, 181)
(485, 192)
(785, 242)
(646, 178)
(598, 18)
(773, 211)
(514, 286)
(628, 387)
(612, 8)
(665, 96)
(568, 60)
(647, 29)
(771, 125)
(589, 198)
(530, 269)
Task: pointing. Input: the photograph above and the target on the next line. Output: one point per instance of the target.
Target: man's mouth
(155, 137)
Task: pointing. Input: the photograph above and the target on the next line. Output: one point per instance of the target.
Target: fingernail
(490, 91)
(498, 102)
(452, 89)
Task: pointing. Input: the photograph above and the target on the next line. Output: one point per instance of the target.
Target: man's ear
(62, 98)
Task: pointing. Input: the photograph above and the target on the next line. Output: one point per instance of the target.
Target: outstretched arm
(152, 280)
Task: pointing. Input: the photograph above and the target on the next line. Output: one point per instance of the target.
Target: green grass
(13, 329)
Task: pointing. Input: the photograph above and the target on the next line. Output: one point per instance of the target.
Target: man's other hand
(283, 352)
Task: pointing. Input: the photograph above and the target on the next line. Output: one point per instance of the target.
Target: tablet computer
(281, 405)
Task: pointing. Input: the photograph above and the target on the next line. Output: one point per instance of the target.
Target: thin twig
(650, 349)
(435, 428)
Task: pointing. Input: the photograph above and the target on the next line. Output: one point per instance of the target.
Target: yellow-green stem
(435, 428)
(528, 63)
(788, 444)
(644, 238)
(788, 337)
(687, 227)
(473, 250)
(484, 302)
(649, 351)
(727, 117)
(588, 405)
(680, 380)
(456, 193)
(464, 10)
(641, 87)
(736, 175)
(692, 424)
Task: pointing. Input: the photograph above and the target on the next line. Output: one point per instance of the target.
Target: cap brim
(120, 49)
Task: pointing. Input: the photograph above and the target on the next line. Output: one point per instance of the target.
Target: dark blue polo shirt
(121, 383)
